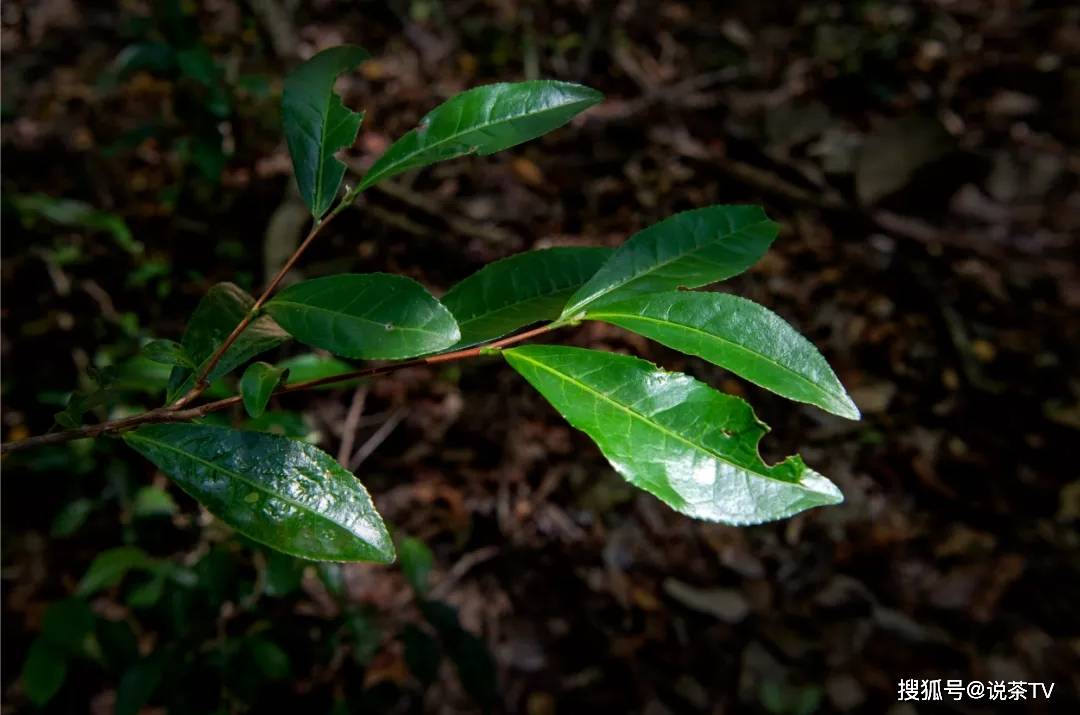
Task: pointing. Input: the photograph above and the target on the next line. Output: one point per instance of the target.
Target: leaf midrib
(657, 266)
(647, 319)
(308, 306)
(372, 178)
(237, 475)
(657, 426)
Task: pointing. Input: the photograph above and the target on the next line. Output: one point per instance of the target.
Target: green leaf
(151, 502)
(687, 250)
(258, 383)
(167, 352)
(280, 492)
(110, 567)
(76, 214)
(484, 120)
(517, 291)
(694, 448)
(737, 334)
(317, 124)
(416, 561)
(43, 672)
(67, 624)
(313, 366)
(139, 683)
(375, 316)
(268, 657)
(221, 310)
(70, 517)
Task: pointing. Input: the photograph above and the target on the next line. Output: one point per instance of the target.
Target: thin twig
(171, 414)
(373, 442)
(352, 423)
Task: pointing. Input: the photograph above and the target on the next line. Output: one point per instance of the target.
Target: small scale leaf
(110, 567)
(258, 384)
(317, 124)
(280, 492)
(484, 120)
(694, 448)
(168, 352)
(517, 291)
(737, 334)
(375, 316)
(218, 313)
(687, 250)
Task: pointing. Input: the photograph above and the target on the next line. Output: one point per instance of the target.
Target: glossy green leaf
(43, 672)
(258, 384)
(280, 492)
(167, 352)
(687, 250)
(317, 124)
(737, 334)
(375, 316)
(678, 439)
(313, 366)
(221, 310)
(517, 291)
(484, 120)
(110, 567)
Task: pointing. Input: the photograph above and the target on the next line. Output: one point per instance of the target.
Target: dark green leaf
(139, 683)
(258, 384)
(317, 124)
(375, 316)
(484, 120)
(71, 517)
(517, 291)
(736, 334)
(168, 352)
(43, 672)
(221, 310)
(687, 250)
(268, 656)
(67, 623)
(691, 446)
(280, 492)
(110, 567)
(416, 562)
(283, 574)
(422, 654)
(148, 593)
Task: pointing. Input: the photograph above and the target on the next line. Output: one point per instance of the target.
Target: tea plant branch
(171, 413)
(201, 380)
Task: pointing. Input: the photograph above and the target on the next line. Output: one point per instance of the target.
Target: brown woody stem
(172, 413)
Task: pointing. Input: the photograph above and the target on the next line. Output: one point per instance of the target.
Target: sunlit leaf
(678, 439)
(280, 492)
(484, 120)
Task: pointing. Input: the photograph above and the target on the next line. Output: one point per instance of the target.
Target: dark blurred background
(922, 159)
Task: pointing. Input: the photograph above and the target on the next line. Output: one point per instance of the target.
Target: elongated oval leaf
(371, 316)
(484, 120)
(522, 289)
(678, 439)
(687, 250)
(317, 124)
(284, 493)
(738, 334)
(221, 310)
(258, 383)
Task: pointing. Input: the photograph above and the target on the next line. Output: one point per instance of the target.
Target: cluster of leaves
(689, 445)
